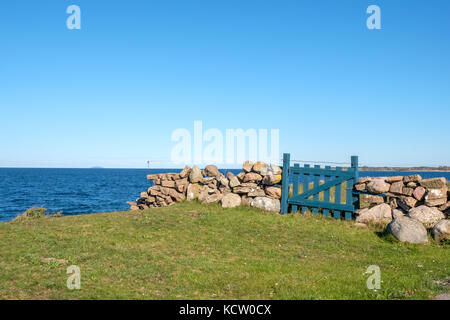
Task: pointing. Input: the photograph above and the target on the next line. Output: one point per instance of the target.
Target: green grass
(193, 251)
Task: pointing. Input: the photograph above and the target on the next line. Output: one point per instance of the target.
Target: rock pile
(406, 192)
(257, 185)
(412, 205)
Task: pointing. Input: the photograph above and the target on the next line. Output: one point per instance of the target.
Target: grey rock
(409, 230)
(266, 203)
(441, 230)
(426, 215)
(231, 200)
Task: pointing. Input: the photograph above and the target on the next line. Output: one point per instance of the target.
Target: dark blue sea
(82, 191)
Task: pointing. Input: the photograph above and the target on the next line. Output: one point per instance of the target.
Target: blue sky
(112, 93)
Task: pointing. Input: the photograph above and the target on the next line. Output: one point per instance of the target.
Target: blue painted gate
(310, 198)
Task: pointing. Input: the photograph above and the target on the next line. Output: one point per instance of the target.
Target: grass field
(193, 251)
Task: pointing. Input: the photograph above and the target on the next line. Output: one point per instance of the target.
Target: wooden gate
(323, 180)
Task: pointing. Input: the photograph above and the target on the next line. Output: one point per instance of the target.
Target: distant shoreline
(393, 169)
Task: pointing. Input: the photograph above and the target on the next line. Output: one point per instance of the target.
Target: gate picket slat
(316, 184)
(295, 187)
(326, 193)
(305, 185)
(349, 198)
(337, 197)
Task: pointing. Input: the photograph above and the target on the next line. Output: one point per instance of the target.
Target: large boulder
(231, 200)
(441, 230)
(426, 215)
(266, 203)
(407, 229)
(195, 175)
(378, 186)
(378, 214)
(211, 171)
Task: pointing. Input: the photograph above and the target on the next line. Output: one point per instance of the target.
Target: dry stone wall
(257, 185)
(407, 192)
(411, 206)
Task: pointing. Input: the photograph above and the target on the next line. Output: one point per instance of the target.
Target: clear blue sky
(111, 93)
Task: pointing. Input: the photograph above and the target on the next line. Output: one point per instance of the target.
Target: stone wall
(411, 206)
(257, 185)
(406, 192)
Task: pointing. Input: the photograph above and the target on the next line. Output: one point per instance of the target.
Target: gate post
(285, 183)
(355, 166)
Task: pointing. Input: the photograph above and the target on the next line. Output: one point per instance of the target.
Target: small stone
(406, 202)
(426, 215)
(185, 172)
(168, 183)
(193, 190)
(360, 186)
(434, 194)
(266, 203)
(372, 199)
(407, 191)
(260, 166)
(379, 213)
(224, 182)
(419, 193)
(434, 183)
(394, 179)
(397, 213)
(393, 203)
(441, 231)
(195, 175)
(412, 185)
(435, 202)
(270, 180)
(397, 187)
(378, 186)
(412, 178)
(213, 198)
(242, 190)
(273, 192)
(241, 176)
(247, 166)
(231, 200)
(211, 171)
(252, 177)
(257, 193)
(445, 206)
(234, 182)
